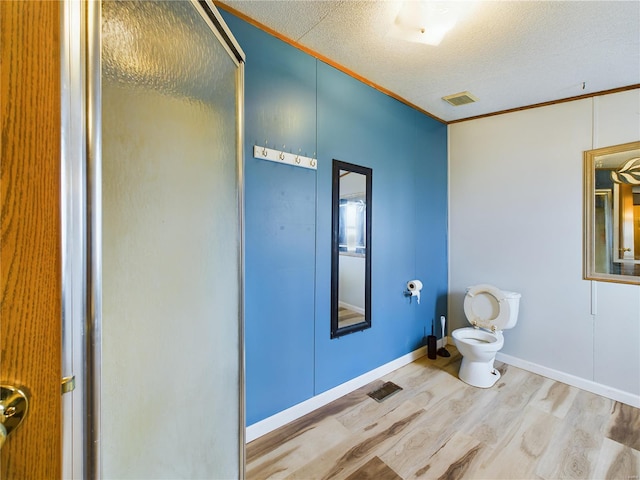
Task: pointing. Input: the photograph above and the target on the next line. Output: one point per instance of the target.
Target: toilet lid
(487, 307)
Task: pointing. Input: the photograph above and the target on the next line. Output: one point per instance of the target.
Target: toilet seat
(480, 305)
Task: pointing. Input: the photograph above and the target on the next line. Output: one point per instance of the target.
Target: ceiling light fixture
(428, 21)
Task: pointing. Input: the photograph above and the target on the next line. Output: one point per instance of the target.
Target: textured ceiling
(508, 54)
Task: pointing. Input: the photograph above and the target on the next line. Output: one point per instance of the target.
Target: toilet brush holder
(432, 345)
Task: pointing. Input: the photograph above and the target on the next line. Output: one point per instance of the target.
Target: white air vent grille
(461, 98)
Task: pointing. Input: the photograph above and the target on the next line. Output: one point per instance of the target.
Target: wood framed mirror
(350, 248)
(612, 214)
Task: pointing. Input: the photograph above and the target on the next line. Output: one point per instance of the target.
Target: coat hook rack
(280, 156)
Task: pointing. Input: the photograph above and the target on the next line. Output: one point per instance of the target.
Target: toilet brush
(443, 352)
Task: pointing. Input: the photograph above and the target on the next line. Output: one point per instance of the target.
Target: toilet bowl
(489, 310)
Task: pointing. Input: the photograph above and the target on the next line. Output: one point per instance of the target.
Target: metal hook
(264, 149)
(282, 153)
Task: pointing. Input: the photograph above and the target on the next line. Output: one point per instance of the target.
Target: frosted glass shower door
(171, 350)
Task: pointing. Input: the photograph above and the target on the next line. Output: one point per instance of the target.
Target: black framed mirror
(350, 248)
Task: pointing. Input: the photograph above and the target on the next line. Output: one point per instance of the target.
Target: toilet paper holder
(413, 290)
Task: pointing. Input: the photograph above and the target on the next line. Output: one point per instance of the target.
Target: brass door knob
(14, 404)
(3, 434)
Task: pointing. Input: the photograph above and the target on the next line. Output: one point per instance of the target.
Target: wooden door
(30, 241)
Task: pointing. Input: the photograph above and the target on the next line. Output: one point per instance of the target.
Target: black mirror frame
(335, 254)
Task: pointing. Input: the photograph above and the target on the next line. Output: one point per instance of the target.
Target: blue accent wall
(292, 99)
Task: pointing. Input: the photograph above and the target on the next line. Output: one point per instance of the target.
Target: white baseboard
(588, 385)
(280, 419)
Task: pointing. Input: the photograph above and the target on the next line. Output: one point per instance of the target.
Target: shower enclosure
(162, 344)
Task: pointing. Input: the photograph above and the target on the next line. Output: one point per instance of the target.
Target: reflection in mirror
(612, 214)
(350, 249)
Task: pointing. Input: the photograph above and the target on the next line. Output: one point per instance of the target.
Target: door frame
(73, 215)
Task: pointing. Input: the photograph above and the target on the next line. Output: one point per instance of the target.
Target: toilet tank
(514, 305)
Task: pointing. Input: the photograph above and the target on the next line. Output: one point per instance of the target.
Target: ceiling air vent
(461, 98)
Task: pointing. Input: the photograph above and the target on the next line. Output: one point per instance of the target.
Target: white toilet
(490, 310)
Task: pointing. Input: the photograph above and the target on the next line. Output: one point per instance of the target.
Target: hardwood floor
(347, 317)
(525, 427)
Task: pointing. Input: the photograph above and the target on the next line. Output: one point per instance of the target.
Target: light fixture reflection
(428, 21)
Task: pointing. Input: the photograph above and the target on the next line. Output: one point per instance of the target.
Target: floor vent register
(384, 392)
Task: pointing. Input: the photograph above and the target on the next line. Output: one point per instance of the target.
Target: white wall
(516, 222)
